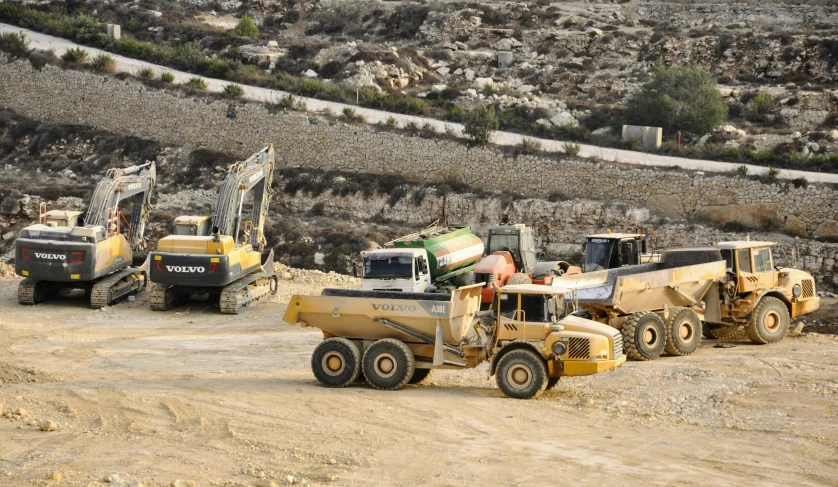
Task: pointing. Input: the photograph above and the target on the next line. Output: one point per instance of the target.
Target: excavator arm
(255, 175)
(135, 183)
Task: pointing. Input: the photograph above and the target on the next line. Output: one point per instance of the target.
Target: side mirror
(551, 306)
(540, 256)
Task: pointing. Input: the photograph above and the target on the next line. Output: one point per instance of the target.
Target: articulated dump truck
(397, 338)
(712, 291)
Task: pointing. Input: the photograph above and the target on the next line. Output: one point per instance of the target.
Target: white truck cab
(397, 269)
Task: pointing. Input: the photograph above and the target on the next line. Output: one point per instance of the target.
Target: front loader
(94, 252)
(232, 262)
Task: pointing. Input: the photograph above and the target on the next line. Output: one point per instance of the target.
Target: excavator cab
(196, 226)
(58, 218)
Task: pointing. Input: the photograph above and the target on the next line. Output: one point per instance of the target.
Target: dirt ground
(191, 397)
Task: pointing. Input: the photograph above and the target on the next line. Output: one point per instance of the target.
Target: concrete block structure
(650, 137)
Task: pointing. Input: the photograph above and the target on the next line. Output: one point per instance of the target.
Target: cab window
(534, 307)
(762, 259)
(727, 255)
(508, 305)
(744, 258)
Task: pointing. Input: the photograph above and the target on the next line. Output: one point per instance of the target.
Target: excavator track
(162, 297)
(28, 292)
(247, 291)
(117, 285)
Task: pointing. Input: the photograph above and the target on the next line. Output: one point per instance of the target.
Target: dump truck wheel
(683, 332)
(388, 364)
(336, 362)
(519, 278)
(552, 382)
(770, 321)
(521, 374)
(644, 336)
(419, 375)
(718, 332)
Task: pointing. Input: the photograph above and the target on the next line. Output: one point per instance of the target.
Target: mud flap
(438, 357)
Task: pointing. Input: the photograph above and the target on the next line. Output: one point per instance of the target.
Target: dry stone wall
(128, 107)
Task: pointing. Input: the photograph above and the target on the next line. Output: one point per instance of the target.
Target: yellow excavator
(95, 252)
(228, 259)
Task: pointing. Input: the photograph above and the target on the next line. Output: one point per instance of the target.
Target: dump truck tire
(770, 321)
(521, 374)
(519, 278)
(718, 331)
(419, 375)
(552, 382)
(683, 332)
(388, 364)
(336, 362)
(644, 336)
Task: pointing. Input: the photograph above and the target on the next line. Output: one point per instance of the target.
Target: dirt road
(195, 396)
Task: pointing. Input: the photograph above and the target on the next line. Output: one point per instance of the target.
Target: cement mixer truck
(437, 259)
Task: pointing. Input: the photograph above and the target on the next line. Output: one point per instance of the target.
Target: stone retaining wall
(128, 107)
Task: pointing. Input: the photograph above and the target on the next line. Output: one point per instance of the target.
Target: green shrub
(800, 182)
(287, 102)
(167, 77)
(14, 45)
(197, 82)
(233, 90)
(760, 107)
(572, 149)
(391, 122)
(678, 98)
(309, 87)
(529, 146)
(133, 25)
(772, 174)
(75, 55)
(742, 170)
(146, 73)
(246, 27)
(411, 126)
(428, 129)
(479, 124)
(104, 63)
(133, 48)
(88, 30)
(352, 115)
(219, 68)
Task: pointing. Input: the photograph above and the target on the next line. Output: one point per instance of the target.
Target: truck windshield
(395, 266)
(598, 254)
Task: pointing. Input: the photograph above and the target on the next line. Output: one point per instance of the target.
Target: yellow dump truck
(397, 338)
(711, 291)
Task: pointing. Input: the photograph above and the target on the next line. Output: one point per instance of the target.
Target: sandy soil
(145, 398)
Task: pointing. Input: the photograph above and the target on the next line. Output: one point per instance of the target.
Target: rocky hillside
(323, 220)
(554, 69)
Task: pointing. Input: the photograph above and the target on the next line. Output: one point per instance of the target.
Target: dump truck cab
(752, 274)
(193, 225)
(396, 270)
(535, 317)
(612, 250)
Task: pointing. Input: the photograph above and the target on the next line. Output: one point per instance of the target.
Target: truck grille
(618, 344)
(808, 288)
(484, 278)
(578, 348)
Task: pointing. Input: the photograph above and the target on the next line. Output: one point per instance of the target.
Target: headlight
(559, 348)
(795, 291)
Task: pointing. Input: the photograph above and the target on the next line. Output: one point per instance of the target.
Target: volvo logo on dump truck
(393, 307)
(185, 269)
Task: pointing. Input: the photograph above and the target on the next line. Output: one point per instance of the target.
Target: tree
(15, 45)
(678, 98)
(246, 27)
(760, 107)
(479, 124)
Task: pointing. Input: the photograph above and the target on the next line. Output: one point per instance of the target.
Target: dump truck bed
(681, 278)
(356, 314)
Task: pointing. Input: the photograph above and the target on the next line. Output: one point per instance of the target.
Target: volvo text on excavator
(232, 262)
(94, 252)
